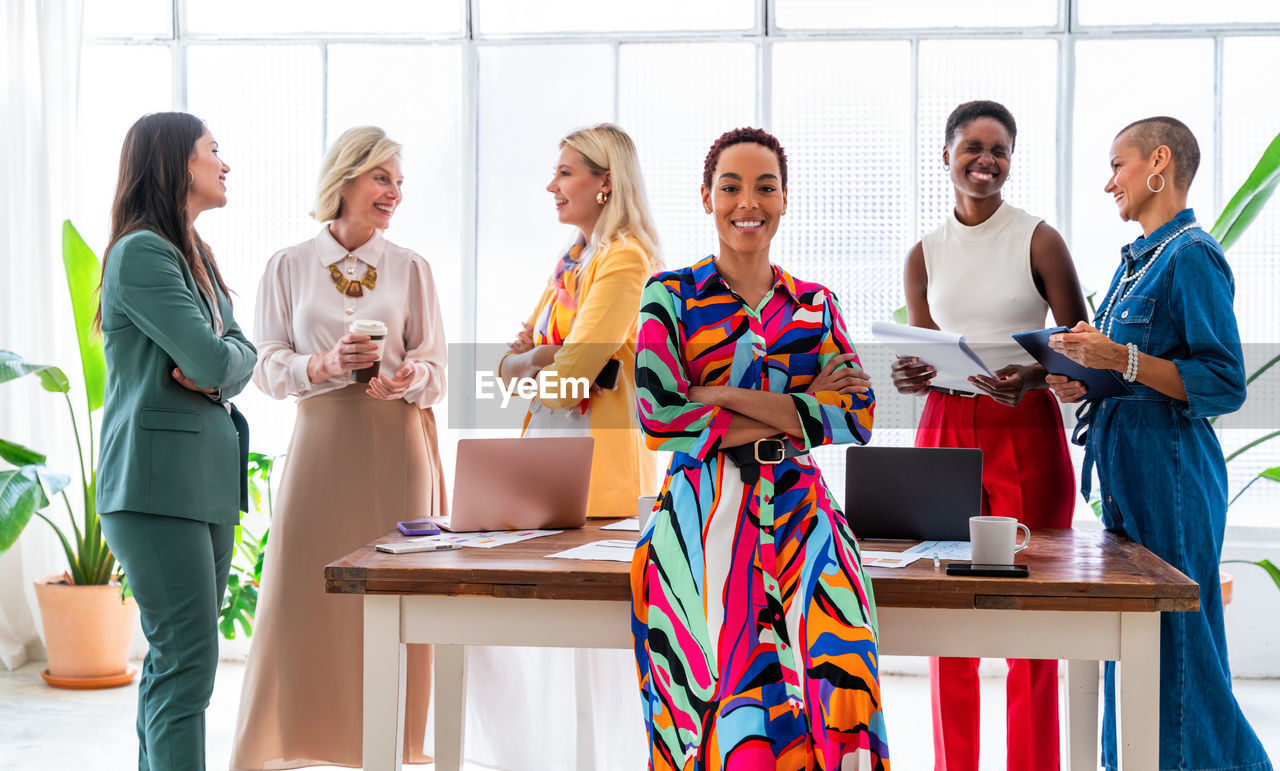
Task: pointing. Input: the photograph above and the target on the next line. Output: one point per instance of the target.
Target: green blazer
(166, 449)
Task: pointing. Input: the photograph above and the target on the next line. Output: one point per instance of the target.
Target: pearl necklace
(1128, 281)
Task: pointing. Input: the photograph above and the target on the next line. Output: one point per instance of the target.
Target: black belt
(770, 452)
(953, 392)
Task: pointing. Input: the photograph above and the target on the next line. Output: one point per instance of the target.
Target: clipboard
(1099, 383)
(948, 353)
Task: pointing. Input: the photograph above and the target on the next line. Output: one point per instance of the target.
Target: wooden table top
(1070, 570)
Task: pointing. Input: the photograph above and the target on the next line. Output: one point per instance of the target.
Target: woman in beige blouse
(361, 459)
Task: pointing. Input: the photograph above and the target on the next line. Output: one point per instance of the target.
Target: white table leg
(384, 683)
(1081, 686)
(451, 705)
(1138, 687)
(586, 749)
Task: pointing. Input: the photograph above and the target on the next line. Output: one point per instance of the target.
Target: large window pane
(529, 98)
(520, 17)
(1168, 77)
(1146, 13)
(106, 113)
(673, 119)
(263, 105)
(409, 18)
(1250, 120)
(842, 110)
(132, 19)
(956, 71)
(914, 14)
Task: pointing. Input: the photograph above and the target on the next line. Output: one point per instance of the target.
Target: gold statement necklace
(349, 286)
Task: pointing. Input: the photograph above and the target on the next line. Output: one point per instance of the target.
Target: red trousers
(1027, 474)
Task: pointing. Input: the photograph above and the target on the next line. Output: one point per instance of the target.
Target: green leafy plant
(27, 489)
(1239, 213)
(240, 603)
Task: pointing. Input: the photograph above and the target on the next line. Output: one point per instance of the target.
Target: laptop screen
(919, 493)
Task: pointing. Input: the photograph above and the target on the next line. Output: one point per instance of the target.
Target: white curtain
(39, 70)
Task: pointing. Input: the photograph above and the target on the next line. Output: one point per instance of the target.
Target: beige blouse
(300, 312)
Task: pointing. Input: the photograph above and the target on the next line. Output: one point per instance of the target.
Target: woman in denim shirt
(1167, 325)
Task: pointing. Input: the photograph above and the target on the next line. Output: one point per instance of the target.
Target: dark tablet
(1099, 383)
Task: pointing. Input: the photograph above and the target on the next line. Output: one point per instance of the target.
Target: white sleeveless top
(980, 283)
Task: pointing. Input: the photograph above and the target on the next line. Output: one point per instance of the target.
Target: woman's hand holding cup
(350, 353)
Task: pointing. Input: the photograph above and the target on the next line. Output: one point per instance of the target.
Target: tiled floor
(44, 729)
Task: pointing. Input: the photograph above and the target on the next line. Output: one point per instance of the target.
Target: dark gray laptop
(920, 493)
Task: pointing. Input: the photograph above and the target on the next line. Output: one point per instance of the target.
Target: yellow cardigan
(604, 327)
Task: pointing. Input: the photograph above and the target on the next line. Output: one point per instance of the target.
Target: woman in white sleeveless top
(989, 270)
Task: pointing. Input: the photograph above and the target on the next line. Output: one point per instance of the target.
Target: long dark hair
(151, 193)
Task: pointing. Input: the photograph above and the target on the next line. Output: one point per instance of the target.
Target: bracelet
(1131, 370)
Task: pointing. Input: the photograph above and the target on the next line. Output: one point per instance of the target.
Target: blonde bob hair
(357, 151)
(625, 215)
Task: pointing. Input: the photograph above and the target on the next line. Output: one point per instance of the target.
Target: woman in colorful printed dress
(754, 622)
(1167, 325)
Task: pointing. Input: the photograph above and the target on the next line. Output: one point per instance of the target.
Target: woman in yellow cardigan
(586, 317)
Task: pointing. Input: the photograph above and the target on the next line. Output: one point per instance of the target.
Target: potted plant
(87, 617)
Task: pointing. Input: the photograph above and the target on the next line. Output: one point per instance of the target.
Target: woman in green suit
(171, 476)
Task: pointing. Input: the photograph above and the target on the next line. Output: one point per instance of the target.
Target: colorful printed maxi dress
(753, 620)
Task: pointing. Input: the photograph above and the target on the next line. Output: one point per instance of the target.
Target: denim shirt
(1180, 310)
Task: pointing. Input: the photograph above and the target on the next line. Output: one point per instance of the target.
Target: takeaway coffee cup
(644, 508)
(993, 539)
(377, 332)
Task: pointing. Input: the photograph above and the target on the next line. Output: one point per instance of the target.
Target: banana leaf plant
(28, 488)
(1239, 213)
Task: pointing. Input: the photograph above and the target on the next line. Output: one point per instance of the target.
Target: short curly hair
(968, 112)
(741, 136)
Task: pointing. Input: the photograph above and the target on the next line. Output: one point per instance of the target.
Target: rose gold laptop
(520, 484)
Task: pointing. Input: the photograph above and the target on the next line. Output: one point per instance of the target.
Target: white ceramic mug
(993, 539)
(645, 505)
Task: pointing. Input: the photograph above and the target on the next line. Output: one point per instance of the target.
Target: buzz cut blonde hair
(357, 151)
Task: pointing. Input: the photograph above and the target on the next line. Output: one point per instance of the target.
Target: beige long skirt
(356, 466)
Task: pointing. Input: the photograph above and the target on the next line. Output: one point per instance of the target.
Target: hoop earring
(191, 177)
(1152, 189)
(602, 198)
(946, 167)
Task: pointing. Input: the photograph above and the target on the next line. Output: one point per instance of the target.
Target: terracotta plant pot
(87, 631)
(1226, 580)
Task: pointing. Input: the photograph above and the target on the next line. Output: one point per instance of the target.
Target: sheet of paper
(490, 540)
(609, 551)
(888, 559)
(632, 524)
(946, 550)
(948, 352)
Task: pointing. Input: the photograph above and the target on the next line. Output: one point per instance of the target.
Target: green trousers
(177, 569)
